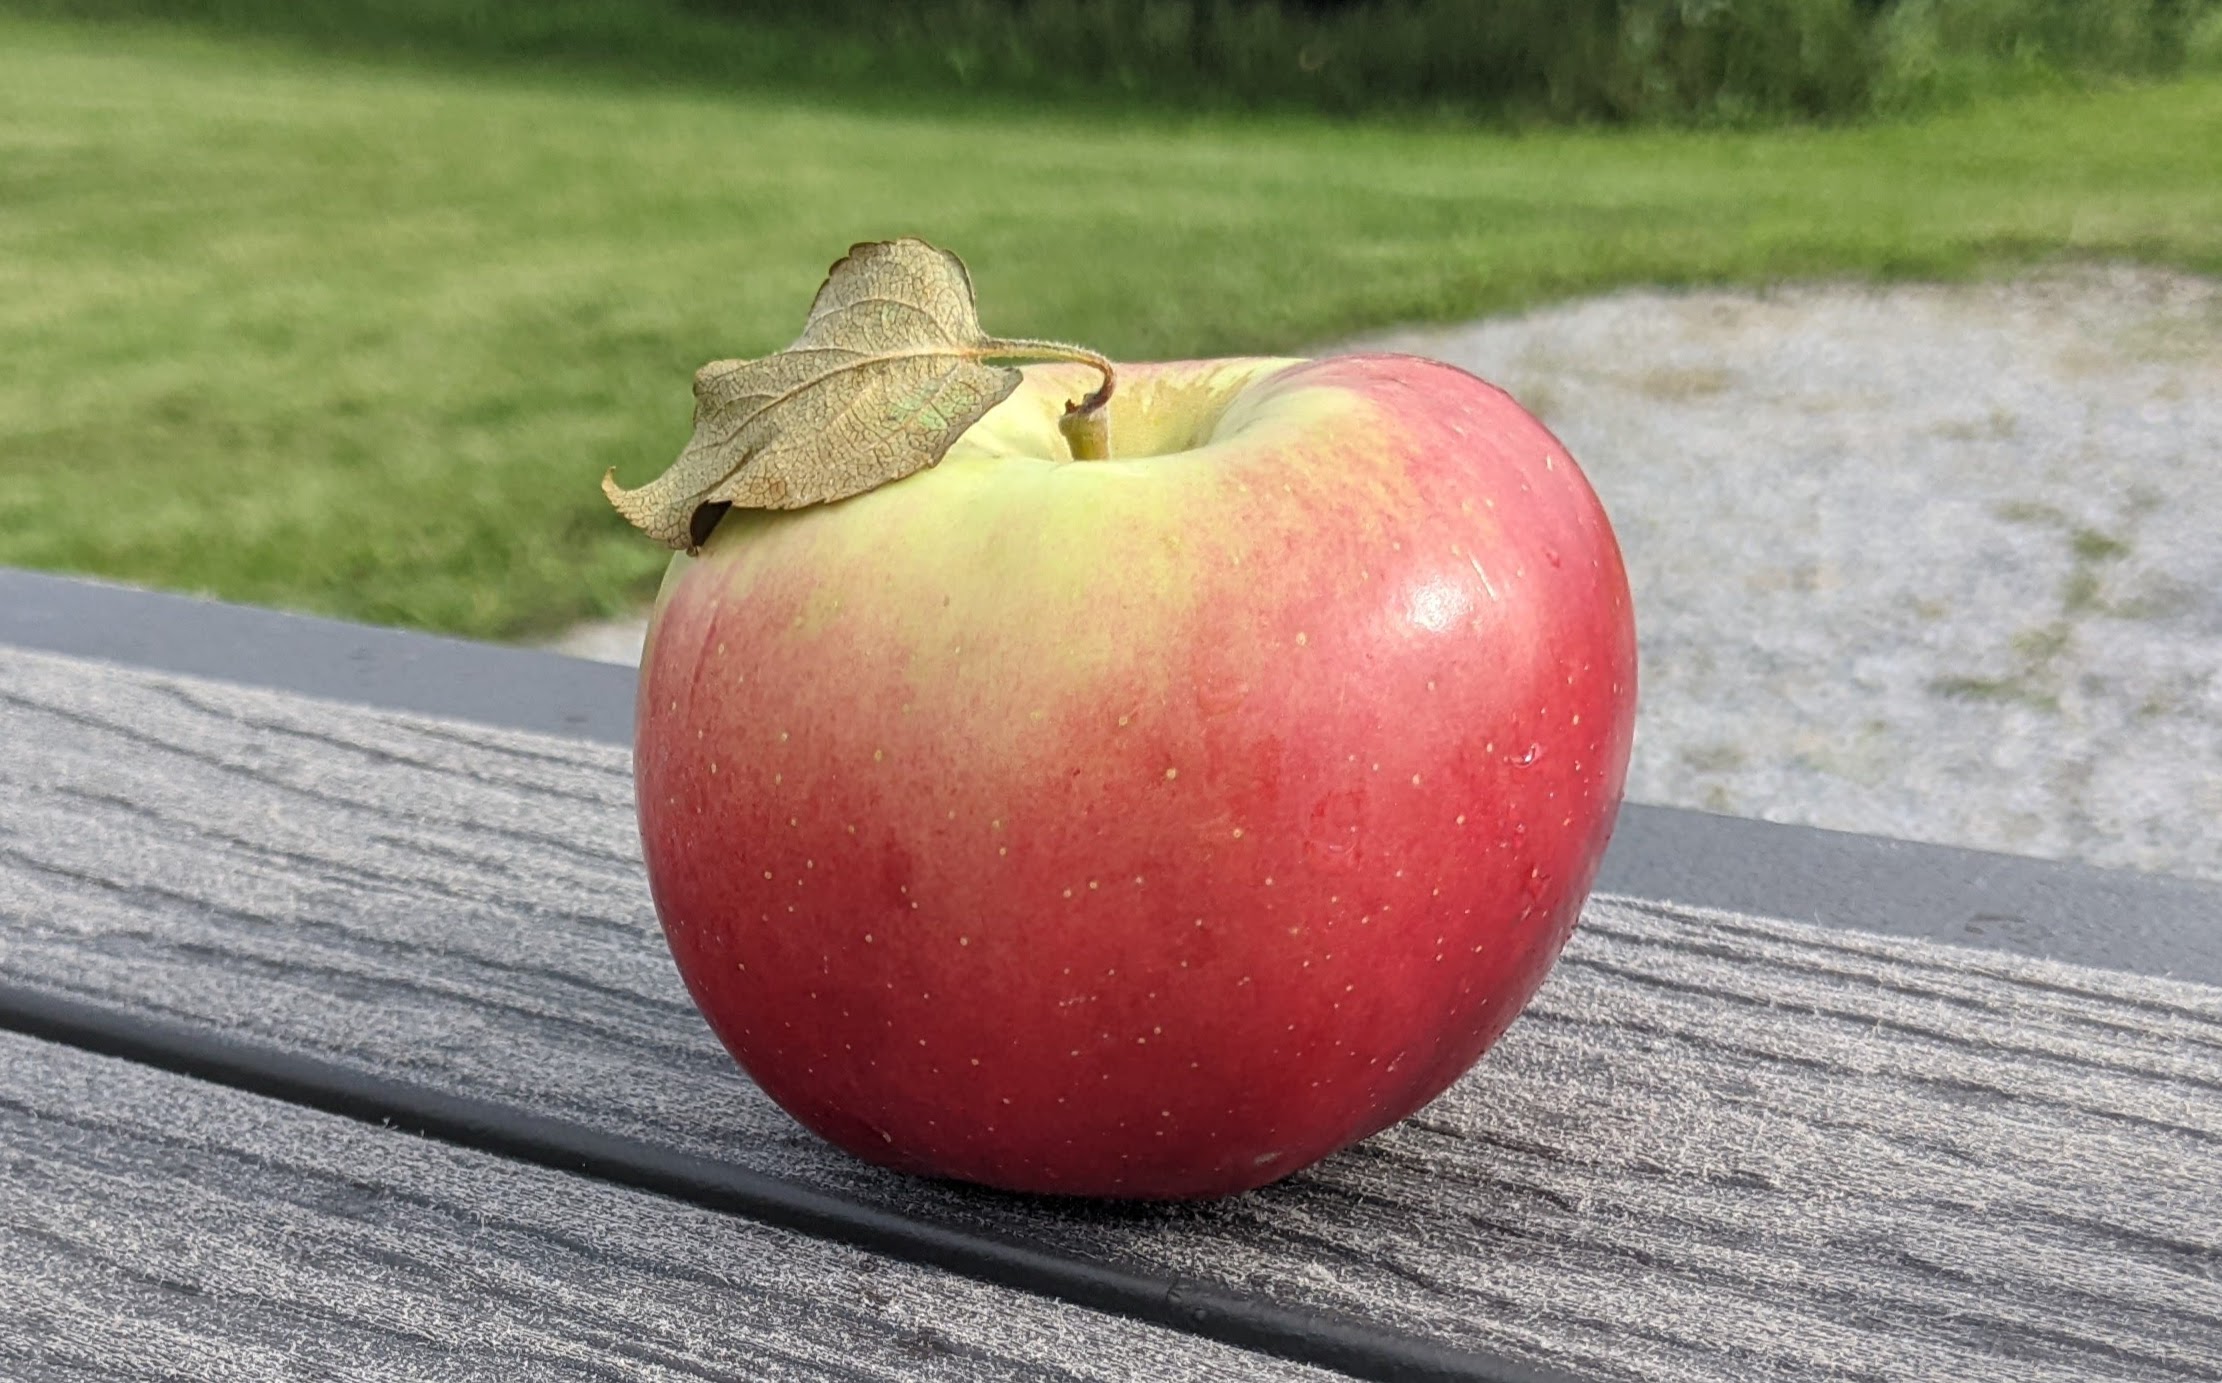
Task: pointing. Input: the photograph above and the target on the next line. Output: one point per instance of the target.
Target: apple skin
(1149, 827)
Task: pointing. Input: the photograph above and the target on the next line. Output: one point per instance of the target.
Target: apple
(1151, 826)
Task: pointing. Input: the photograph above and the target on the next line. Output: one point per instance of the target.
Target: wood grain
(1717, 1147)
(157, 1227)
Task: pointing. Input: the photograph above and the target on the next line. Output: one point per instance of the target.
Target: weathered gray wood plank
(1717, 1146)
(158, 1227)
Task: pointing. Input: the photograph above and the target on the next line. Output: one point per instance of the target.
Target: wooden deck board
(1717, 1146)
(155, 1226)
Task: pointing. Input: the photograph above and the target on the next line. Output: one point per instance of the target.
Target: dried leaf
(889, 371)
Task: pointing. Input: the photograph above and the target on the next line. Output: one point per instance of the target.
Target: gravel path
(1942, 563)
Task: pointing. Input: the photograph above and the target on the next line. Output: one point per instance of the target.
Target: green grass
(362, 339)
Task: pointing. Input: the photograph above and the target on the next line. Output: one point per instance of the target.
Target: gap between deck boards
(1346, 1345)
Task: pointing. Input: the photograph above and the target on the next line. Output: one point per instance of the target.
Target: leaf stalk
(1086, 424)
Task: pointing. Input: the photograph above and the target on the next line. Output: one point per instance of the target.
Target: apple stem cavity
(1086, 423)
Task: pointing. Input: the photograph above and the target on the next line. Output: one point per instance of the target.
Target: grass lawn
(361, 339)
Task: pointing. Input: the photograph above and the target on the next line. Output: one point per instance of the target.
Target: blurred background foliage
(1523, 61)
(1613, 61)
(346, 306)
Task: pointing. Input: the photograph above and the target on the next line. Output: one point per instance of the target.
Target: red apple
(1153, 826)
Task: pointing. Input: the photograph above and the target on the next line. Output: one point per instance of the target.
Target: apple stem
(1087, 429)
(1087, 422)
